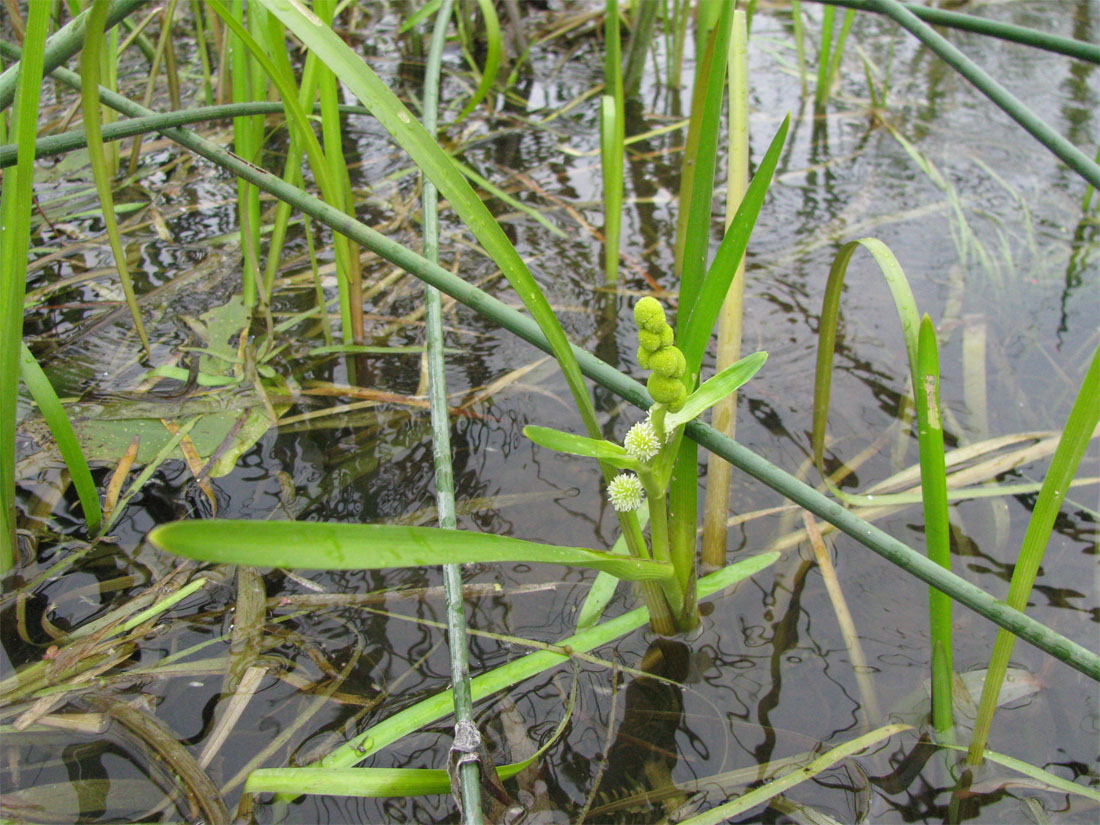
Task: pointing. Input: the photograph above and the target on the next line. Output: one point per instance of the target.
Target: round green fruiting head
(666, 390)
(667, 336)
(643, 358)
(650, 341)
(669, 362)
(676, 405)
(649, 314)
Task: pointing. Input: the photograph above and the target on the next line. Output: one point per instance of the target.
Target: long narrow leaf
(796, 777)
(435, 163)
(715, 389)
(318, 545)
(694, 334)
(54, 414)
(16, 194)
(937, 535)
(89, 76)
(700, 154)
(1082, 421)
(904, 302)
(581, 445)
(493, 51)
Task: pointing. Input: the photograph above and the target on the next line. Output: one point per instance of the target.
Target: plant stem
(724, 413)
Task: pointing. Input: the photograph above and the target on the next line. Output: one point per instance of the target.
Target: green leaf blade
(695, 333)
(716, 388)
(318, 545)
(564, 442)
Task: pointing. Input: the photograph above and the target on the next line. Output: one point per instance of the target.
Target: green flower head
(625, 491)
(641, 441)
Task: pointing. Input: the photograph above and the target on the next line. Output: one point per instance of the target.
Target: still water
(990, 231)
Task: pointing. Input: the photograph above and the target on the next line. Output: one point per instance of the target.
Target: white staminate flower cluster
(625, 491)
(641, 441)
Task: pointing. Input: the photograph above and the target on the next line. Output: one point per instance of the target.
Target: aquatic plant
(651, 474)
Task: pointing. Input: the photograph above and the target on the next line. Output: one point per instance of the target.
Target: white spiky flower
(641, 441)
(625, 491)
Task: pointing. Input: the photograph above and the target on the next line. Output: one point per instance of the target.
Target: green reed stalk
(332, 137)
(493, 51)
(830, 54)
(247, 142)
(292, 168)
(16, 200)
(838, 50)
(469, 778)
(1047, 41)
(528, 329)
(90, 64)
(1082, 422)
(204, 54)
(933, 479)
(692, 246)
(724, 413)
(612, 135)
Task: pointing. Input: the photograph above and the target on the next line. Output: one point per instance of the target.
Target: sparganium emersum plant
(648, 452)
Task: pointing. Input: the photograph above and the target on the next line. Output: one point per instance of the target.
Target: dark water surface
(990, 231)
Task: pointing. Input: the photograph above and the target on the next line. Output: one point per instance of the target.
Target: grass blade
(1083, 419)
(724, 414)
(423, 713)
(717, 388)
(565, 442)
(936, 530)
(427, 154)
(89, 76)
(54, 414)
(795, 777)
(904, 302)
(694, 332)
(16, 196)
(493, 52)
(700, 154)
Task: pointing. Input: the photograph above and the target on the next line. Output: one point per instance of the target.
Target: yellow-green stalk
(724, 413)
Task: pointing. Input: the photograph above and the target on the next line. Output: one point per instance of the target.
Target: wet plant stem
(468, 773)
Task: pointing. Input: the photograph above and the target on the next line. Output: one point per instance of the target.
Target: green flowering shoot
(625, 492)
(642, 441)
